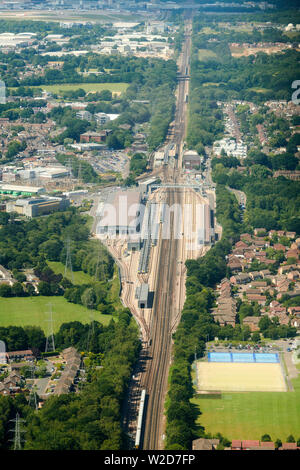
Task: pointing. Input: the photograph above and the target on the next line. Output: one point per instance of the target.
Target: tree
(264, 323)
(44, 288)
(5, 290)
(17, 289)
(278, 443)
(89, 298)
(36, 337)
(255, 336)
(266, 438)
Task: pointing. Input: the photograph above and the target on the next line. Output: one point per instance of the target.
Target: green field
(249, 415)
(20, 311)
(93, 87)
(259, 90)
(98, 16)
(208, 30)
(204, 54)
(79, 276)
(82, 278)
(211, 84)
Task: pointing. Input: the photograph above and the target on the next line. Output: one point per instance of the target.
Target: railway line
(165, 312)
(155, 378)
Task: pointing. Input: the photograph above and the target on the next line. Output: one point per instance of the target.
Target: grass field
(208, 30)
(114, 292)
(211, 84)
(79, 276)
(204, 54)
(259, 90)
(20, 311)
(93, 87)
(98, 16)
(249, 415)
(240, 377)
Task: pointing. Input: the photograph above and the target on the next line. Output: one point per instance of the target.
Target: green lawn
(204, 54)
(93, 87)
(211, 84)
(21, 311)
(250, 415)
(259, 90)
(79, 276)
(114, 292)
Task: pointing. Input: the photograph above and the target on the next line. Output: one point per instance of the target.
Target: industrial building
(146, 185)
(46, 173)
(37, 206)
(16, 190)
(191, 159)
(134, 243)
(142, 295)
(206, 232)
(122, 214)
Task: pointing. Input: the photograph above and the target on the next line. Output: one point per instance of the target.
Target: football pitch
(244, 377)
(249, 415)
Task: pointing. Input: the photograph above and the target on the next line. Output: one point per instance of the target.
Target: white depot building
(122, 214)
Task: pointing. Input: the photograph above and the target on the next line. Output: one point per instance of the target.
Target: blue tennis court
(219, 357)
(269, 358)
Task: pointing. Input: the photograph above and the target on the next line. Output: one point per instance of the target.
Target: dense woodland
(30, 244)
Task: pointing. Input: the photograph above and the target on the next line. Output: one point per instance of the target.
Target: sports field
(234, 376)
(21, 311)
(250, 415)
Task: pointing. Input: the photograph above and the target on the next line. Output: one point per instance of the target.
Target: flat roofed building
(143, 295)
(191, 159)
(145, 185)
(17, 190)
(37, 206)
(121, 214)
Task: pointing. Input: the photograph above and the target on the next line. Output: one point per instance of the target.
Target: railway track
(155, 379)
(156, 357)
(165, 311)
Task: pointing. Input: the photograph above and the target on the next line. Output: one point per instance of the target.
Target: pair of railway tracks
(155, 378)
(165, 313)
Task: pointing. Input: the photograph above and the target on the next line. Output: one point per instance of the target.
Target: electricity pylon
(17, 432)
(50, 345)
(68, 264)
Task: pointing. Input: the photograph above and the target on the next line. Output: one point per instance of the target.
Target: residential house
(205, 444)
(252, 322)
(242, 278)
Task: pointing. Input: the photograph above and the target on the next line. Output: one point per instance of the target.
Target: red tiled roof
(236, 443)
(269, 445)
(289, 445)
(250, 443)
